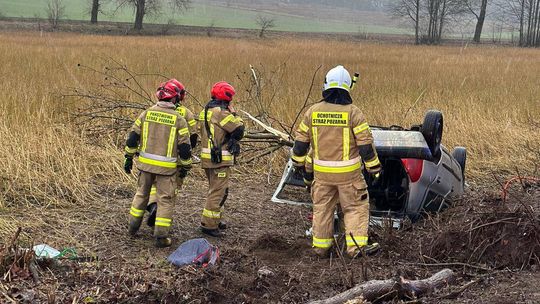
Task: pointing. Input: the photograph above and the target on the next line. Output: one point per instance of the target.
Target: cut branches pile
(108, 107)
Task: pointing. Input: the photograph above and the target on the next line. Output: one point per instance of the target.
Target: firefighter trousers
(153, 191)
(165, 192)
(218, 190)
(354, 201)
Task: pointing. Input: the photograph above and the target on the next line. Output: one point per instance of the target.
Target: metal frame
(281, 186)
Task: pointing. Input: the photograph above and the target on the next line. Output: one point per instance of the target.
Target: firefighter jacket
(223, 126)
(189, 117)
(338, 135)
(160, 133)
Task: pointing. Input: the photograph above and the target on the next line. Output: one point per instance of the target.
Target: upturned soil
(484, 239)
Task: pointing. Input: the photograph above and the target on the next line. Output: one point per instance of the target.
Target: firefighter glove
(308, 178)
(128, 163)
(233, 147)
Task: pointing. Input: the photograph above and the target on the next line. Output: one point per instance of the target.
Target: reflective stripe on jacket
(221, 123)
(334, 133)
(189, 117)
(161, 130)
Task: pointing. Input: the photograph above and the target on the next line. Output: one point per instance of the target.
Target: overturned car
(419, 174)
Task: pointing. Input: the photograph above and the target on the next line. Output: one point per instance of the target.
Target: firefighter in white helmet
(342, 144)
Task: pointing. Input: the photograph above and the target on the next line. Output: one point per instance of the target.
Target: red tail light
(414, 167)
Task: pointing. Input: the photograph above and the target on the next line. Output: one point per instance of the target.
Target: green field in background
(198, 15)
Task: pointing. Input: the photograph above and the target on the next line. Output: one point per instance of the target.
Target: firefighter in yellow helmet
(341, 140)
(221, 131)
(161, 137)
(193, 138)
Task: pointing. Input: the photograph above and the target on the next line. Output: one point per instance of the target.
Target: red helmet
(167, 91)
(222, 91)
(180, 86)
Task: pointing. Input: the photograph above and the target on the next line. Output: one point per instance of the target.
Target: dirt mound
(266, 258)
(273, 242)
(482, 230)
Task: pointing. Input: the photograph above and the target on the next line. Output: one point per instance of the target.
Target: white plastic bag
(45, 251)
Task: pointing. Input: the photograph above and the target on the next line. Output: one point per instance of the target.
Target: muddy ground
(481, 238)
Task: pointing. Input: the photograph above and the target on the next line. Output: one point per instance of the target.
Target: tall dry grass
(490, 98)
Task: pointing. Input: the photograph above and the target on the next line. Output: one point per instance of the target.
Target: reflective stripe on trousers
(356, 241)
(211, 214)
(322, 243)
(136, 212)
(163, 222)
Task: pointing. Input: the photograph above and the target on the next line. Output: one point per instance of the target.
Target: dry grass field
(490, 98)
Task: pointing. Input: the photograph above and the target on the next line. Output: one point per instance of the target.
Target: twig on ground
(448, 265)
(454, 294)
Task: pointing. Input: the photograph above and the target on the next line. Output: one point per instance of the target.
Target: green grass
(198, 15)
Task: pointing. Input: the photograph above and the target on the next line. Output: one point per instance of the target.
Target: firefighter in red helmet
(160, 136)
(193, 138)
(221, 131)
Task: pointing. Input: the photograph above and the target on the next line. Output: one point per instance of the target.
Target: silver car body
(439, 181)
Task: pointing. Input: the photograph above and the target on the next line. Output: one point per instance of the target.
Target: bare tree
(265, 23)
(429, 17)
(477, 8)
(526, 14)
(55, 12)
(410, 10)
(94, 11)
(153, 7)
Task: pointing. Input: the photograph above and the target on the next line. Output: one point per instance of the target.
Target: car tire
(460, 155)
(432, 129)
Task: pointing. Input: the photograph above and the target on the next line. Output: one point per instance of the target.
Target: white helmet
(339, 78)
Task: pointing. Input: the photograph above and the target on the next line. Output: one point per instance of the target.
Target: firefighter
(221, 131)
(160, 136)
(341, 140)
(192, 126)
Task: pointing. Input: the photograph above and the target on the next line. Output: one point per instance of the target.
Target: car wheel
(432, 129)
(460, 155)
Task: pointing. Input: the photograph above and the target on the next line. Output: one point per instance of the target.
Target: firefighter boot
(211, 232)
(321, 253)
(134, 225)
(162, 242)
(152, 211)
(365, 250)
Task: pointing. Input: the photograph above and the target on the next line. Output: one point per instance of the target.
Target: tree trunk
(94, 12)
(480, 21)
(534, 41)
(529, 23)
(441, 23)
(417, 23)
(435, 28)
(430, 27)
(538, 28)
(139, 14)
(378, 289)
(521, 20)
